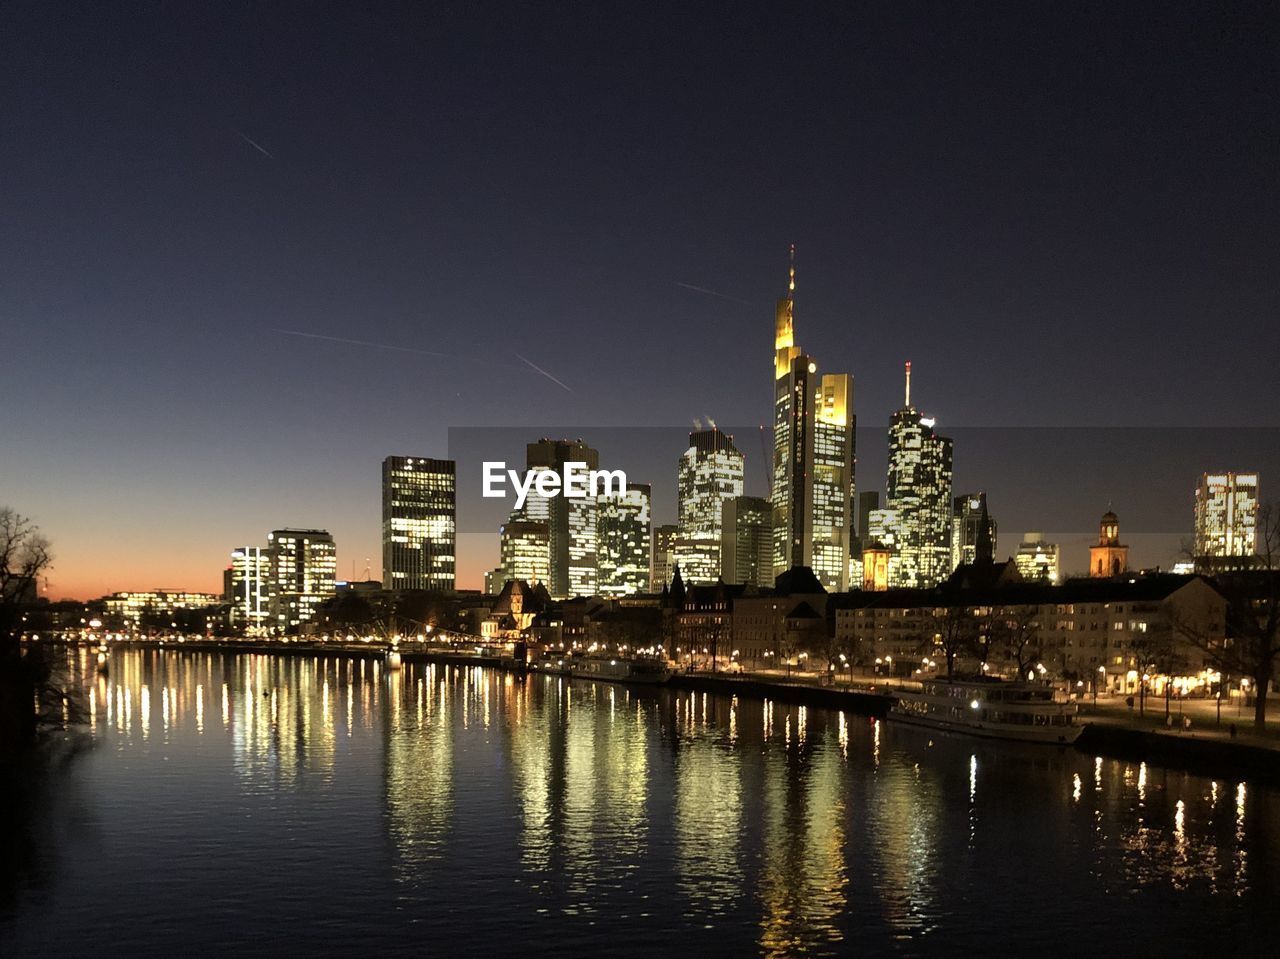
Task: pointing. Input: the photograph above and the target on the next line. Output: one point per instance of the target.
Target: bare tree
(1248, 646)
(24, 557)
(1016, 634)
(950, 629)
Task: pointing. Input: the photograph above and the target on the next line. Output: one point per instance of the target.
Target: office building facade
(746, 541)
(250, 588)
(419, 523)
(304, 566)
(918, 495)
(710, 472)
(1037, 561)
(624, 540)
(664, 556)
(1226, 519)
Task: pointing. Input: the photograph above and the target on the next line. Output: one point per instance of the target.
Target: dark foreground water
(245, 805)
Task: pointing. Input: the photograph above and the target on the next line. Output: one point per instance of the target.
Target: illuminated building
(525, 547)
(1089, 630)
(813, 457)
(1109, 557)
(966, 524)
(130, 608)
(1036, 560)
(866, 503)
(664, 556)
(831, 529)
(304, 565)
(250, 587)
(710, 473)
(1226, 519)
(494, 580)
(746, 541)
(623, 527)
(419, 525)
(918, 493)
(571, 522)
(875, 567)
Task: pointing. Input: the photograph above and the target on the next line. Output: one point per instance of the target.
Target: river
(276, 804)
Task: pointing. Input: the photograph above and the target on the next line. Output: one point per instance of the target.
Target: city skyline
(204, 315)
(392, 487)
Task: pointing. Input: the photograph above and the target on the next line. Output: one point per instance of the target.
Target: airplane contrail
(544, 373)
(376, 346)
(723, 296)
(410, 349)
(257, 146)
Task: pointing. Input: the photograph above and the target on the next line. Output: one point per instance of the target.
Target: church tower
(1110, 557)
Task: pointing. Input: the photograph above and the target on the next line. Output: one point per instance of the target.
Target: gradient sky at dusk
(1064, 215)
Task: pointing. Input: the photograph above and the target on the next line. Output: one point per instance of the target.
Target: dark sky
(1064, 215)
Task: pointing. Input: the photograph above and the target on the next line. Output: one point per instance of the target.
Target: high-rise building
(813, 457)
(966, 526)
(1037, 560)
(419, 523)
(711, 472)
(832, 496)
(571, 522)
(250, 588)
(1109, 557)
(918, 493)
(525, 547)
(623, 537)
(746, 541)
(494, 580)
(867, 502)
(1226, 519)
(304, 565)
(664, 556)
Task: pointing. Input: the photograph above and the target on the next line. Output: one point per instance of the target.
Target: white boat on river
(1027, 712)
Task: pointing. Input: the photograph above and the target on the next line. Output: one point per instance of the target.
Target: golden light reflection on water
(803, 821)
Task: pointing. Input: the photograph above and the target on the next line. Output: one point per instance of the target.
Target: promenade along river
(272, 804)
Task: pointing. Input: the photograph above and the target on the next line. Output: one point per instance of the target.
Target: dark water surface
(244, 804)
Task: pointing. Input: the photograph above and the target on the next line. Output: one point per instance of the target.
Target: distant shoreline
(1213, 758)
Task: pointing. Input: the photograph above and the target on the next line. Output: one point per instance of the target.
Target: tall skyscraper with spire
(813, 456)
(918, 497)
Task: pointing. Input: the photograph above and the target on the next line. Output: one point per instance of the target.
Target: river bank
(1108, 732)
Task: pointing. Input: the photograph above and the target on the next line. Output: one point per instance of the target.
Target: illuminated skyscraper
(813, 457)
(831, 528)
(250, 594)
(1037, 560)
(1226, 519)
(571, 522)
(419, 523)
(623, 541)
(304, 564)
(966, 526)
(664, 556)
(918, 493)
(525, 547)
(746, 541)
(710, 472)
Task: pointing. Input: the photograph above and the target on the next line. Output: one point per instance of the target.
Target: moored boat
(1027, 712)
(614, 669)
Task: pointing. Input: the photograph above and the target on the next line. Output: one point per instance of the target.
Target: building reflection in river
(592, 800)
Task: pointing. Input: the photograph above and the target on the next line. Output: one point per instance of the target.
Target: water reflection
(463, 797)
